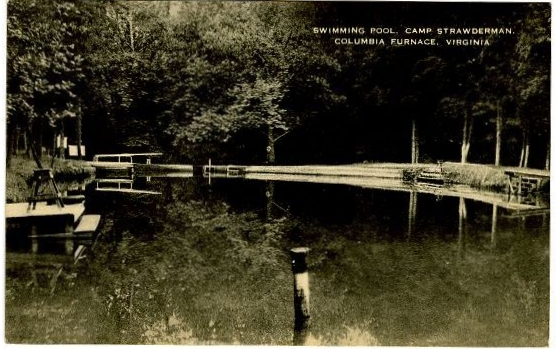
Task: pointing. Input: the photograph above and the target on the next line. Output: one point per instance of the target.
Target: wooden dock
(21, 210)
(525, 181)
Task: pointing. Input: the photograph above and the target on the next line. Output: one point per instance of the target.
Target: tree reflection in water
(200, 265)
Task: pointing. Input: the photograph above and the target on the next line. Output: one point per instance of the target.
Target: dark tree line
(251, 82)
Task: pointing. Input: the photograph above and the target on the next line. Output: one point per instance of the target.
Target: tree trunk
(522, 154)
(526, 157)
(466, 138)
(54, 145)
(79, 133)
(131, 29)
(498, 135)
(61, 149)
(38, 137)
(547, 161)
(16, 141)
(270, 152)
(269, 199)
(26, 147)
(11, 141)
(414, 142)
(525, 144)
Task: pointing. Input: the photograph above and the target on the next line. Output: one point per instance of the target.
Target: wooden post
(269, 199)
(68, 246)
(300, 295)
(209, 169)
(79, 131)
(545, 222)
(414, 142)
(498, 134)
(68, 243)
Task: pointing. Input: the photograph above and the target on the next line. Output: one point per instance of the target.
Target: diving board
(125, 156)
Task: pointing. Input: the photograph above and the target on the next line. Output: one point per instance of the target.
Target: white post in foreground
(300, 295)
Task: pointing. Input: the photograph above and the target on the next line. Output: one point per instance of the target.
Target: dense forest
(252, 83)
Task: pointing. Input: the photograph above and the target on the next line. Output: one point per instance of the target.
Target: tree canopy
(252, 82)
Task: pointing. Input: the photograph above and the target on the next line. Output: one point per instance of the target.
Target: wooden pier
(52, 236)
(49, 232)
(21, 210)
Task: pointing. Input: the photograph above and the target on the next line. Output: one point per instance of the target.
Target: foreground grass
(20, 171)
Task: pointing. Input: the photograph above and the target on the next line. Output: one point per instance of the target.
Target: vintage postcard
(317, 173)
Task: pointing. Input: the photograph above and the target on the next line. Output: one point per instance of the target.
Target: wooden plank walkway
(87, 224)
(111, 164)
(21, 210)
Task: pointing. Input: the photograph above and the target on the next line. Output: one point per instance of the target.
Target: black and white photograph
(277, 173)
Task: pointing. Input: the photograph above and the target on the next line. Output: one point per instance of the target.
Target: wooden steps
(524, 182)
(432, 177)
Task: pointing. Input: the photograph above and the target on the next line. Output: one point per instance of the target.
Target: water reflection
(209, 264)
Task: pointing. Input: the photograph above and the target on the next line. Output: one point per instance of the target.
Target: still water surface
(209, 264)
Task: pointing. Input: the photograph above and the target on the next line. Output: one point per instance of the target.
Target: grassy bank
(19, 175)
(478, 176)
(487, 177)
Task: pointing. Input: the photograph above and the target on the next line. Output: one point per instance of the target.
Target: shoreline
(477, 176)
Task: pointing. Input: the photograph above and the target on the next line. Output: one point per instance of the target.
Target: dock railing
(125, 156)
